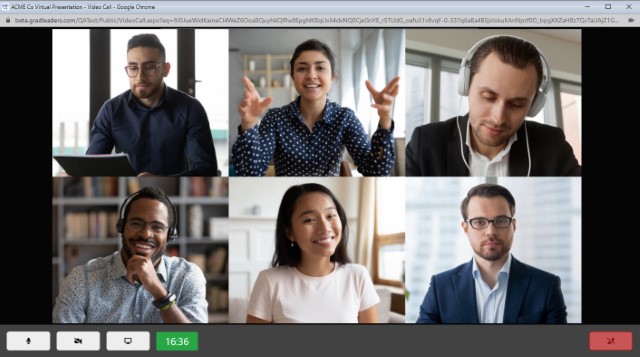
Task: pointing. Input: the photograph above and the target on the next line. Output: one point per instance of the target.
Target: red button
(610, 341)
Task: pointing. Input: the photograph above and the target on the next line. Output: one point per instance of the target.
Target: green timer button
(176, 341)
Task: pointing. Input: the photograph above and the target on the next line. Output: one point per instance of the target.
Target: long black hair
(287, 255)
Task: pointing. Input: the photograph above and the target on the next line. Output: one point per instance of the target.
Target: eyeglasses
(147, 69)
(482, 223)
(137, 225)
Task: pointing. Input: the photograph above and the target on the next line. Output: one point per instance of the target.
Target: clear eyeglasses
(137, 225)
(482, 223)
(148, 69)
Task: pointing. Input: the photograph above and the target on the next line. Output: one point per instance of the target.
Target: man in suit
(506, 79)
(494, 287)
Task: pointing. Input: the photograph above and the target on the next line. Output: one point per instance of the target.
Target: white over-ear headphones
(465, 75)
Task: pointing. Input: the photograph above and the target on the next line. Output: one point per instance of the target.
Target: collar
(500, 155)
(506, 267)
(328, 116)
(166, 96)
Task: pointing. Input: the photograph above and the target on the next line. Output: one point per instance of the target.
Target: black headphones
(172, 231)
(465, 75)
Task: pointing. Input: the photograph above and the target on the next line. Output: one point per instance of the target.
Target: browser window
(399, 113)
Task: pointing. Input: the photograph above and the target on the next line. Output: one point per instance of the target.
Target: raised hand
(251, 107)
(383, 100)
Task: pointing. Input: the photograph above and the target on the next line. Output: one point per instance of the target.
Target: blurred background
(263, 55)
(548, 235)
(88, 69)
(375, 214)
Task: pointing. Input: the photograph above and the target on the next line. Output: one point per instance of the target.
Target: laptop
(96, 165)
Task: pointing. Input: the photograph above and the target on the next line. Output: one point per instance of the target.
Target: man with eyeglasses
(494, 287)
(165, 131)
(138, 283)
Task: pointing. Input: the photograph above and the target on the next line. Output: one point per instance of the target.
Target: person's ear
(465, 226)
(513, 221)
(166, 68)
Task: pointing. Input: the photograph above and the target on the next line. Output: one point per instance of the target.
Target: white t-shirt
(284, 295)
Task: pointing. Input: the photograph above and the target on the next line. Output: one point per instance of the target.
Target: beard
(129, 253)
(152, 88)
(480, 130)
(492, 141)
(491, 254)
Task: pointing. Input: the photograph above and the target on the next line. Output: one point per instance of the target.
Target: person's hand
(141, 269)
(251, 107)
(383, 100)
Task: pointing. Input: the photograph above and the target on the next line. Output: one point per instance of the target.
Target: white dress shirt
(491, 302)
(480, 165)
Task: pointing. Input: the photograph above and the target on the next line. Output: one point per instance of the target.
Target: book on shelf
(196, 225)
(90, 187)
(100, 186)
(90, 225)
(208, 186)
(218, 298)
(217, 261)
(198, 259)
(219, 187)
(198, 186)
(133, 184)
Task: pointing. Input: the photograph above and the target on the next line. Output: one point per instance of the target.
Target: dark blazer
(533, 297)
(434, 150)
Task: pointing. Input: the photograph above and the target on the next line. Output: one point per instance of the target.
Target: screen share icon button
(128, 341)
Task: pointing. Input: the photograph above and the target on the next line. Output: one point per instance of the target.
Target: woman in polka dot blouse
(307, 136)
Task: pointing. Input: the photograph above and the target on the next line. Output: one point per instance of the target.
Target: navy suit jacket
(434, 150)
(533, 297)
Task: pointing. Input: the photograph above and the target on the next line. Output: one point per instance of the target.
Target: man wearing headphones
(137, 284)
(506, 79)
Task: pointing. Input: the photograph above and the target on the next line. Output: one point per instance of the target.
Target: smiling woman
(307, 137)
(312, 279)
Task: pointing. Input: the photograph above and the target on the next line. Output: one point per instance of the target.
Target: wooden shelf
(269, 68)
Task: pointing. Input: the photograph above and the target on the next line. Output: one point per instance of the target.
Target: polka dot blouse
(283, 136)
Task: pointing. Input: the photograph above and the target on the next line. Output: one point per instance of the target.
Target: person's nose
(490, 230)
(325, 226)
(311, 73)
(498, 113)
(139, 75)
(147, 231)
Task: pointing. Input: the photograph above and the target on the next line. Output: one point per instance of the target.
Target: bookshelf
(270, 75)
(85, 211)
